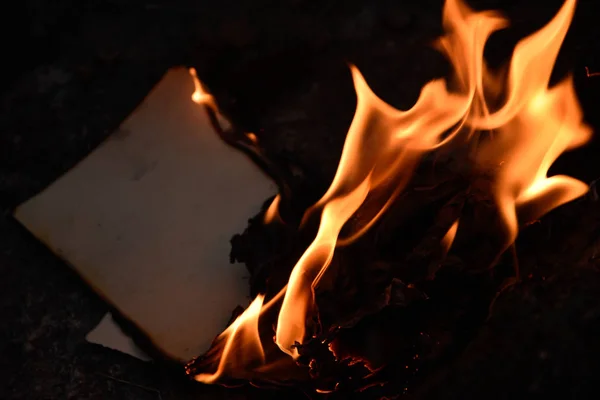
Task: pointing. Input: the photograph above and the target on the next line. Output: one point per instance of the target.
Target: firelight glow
(531, 128)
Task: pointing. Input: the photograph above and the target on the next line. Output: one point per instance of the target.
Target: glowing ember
(531, 128)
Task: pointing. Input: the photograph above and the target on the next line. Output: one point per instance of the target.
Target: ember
(474, 148)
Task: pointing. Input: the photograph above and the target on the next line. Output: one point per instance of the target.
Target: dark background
(73, 70)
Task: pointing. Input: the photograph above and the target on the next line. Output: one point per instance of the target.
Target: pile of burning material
(382, 286)
(395, 268)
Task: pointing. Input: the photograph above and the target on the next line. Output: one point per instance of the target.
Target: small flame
(531, 125)
(272, 213)
(200, 95)
(252, 137)
(239, 347)
(448, 238)
(244, 328)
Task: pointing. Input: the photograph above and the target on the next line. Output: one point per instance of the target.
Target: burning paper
(510, 128)
(146, 220)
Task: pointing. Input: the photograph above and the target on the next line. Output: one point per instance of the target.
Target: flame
(448, 238)
(252, 137)
(245, 327)
(272, 212)
(239, 347)
(201, 95)
(528, 125)
(533, 128)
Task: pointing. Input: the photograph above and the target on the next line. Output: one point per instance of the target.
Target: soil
(278, 69)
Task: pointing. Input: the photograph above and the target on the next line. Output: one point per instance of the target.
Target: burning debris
(400, 259)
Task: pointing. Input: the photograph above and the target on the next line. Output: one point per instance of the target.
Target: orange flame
(200, 95)
(531, 128)
(245, 328)
(449, 236)
(272, 212)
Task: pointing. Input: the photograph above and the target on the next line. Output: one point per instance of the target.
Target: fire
(244, 328)
(272, 212)
(514, 126)
(448, 238)
(200, 95)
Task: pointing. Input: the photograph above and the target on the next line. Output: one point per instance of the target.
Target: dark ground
(278, 69)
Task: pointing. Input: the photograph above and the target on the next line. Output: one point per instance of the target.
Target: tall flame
(531, 128)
